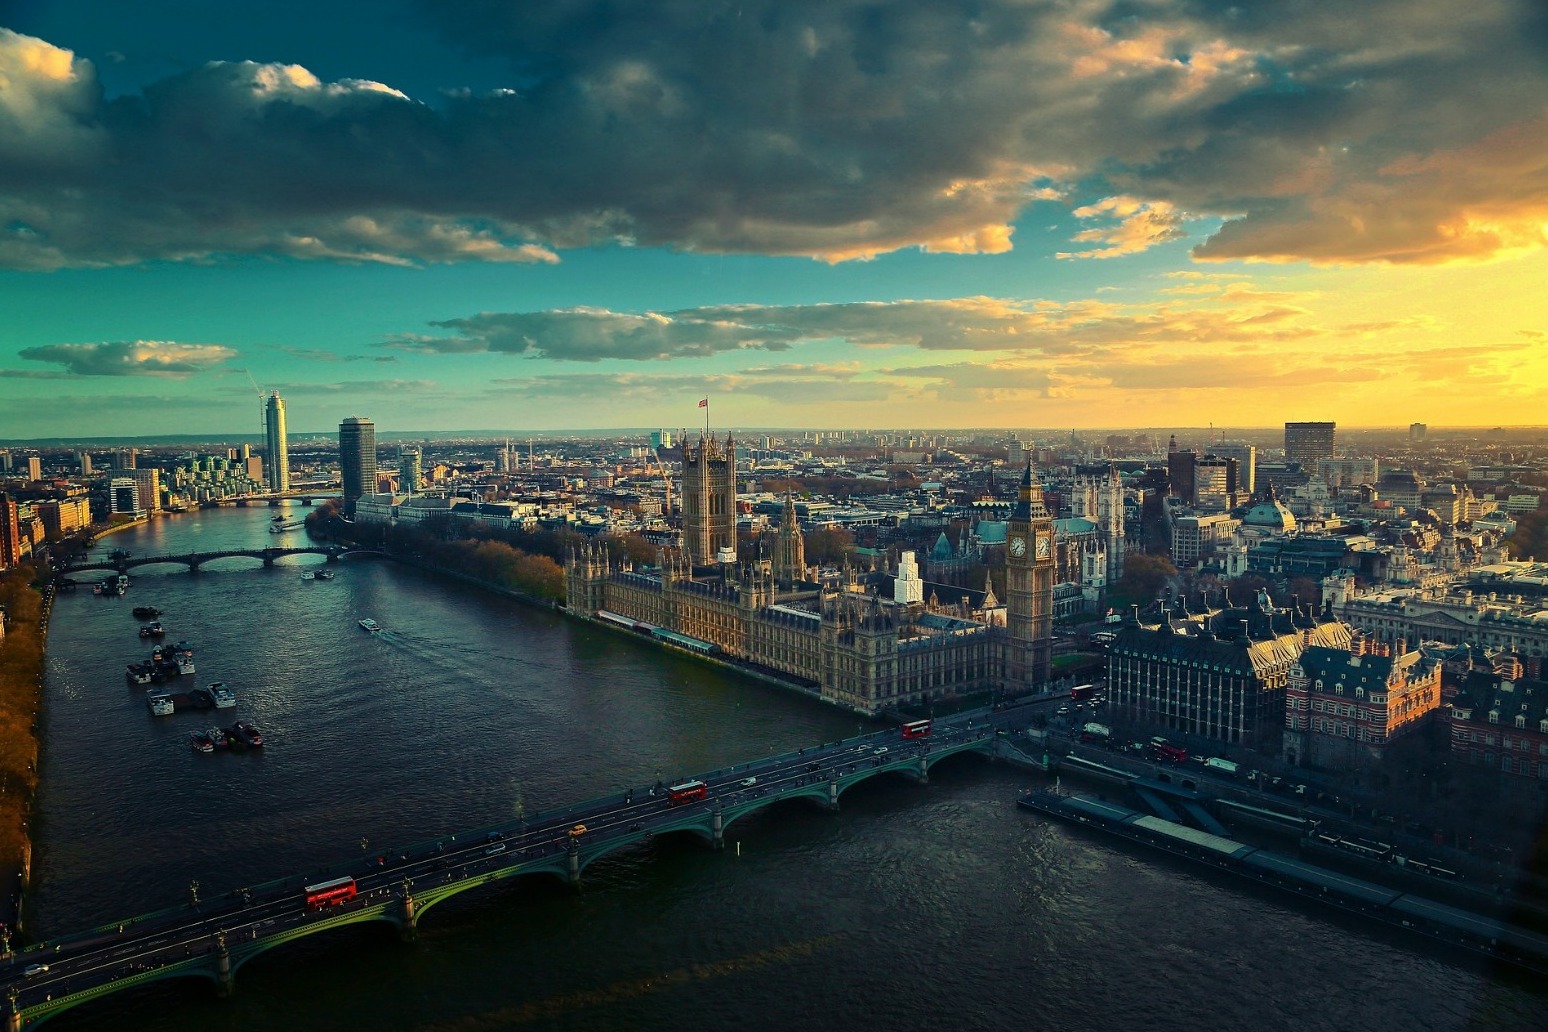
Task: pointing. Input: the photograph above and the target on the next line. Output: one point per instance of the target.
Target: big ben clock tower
(1029, 572)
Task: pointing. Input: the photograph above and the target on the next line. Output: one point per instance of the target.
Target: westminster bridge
(210, 939)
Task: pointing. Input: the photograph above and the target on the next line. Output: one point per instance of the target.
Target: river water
(913, 908)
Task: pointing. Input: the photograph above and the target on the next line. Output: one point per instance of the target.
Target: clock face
(1018, 546)
(1042, 546)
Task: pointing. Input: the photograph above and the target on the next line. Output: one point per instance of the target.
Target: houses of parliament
(867, 640)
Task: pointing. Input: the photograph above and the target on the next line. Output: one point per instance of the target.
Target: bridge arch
(241, 952)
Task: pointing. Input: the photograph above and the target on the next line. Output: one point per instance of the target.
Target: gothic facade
(709, 499)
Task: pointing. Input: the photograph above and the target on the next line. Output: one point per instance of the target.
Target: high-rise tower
(357, 459)
(278, 449)
(411, 470)
(1029, 577)
(1307, 442)
(709, 499)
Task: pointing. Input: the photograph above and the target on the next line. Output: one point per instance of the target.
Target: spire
(989, 600)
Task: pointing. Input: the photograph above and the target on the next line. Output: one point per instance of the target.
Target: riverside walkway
(211, 939)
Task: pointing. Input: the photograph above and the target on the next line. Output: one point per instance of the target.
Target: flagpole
(706, 419)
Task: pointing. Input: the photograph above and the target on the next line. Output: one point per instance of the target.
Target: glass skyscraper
(357, 459)
(278, 450)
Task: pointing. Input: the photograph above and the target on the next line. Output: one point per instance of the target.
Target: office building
(278, 448)
(63, 516)
(124, 497)
(1246, 456)
(34, 468)
(1418, 431)
(147, 483)
(1305, 443)
(357, 459)
(10, 532)
(84, 459)
(411, 477)
(1223, 679)
(1345, 706)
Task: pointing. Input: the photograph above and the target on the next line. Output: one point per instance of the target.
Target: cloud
(788, 387)
(1141, 226)
(132, 358)
(1393, 131)
(1235, 314)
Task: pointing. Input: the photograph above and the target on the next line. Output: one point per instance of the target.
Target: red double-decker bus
(329, 893)
(1166, 753)
(687, 792)
(916, 729)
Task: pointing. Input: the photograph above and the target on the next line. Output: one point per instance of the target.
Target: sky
(585, 214)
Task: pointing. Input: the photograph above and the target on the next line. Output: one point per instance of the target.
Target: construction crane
(263, 422)
(666, 482)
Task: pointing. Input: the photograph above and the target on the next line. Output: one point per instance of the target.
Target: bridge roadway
(211, 939)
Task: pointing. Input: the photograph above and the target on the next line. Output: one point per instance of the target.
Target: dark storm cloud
(1390, 130)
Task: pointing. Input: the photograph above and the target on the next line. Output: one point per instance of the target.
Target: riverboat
(224, 697)
(201, 741)
(323, 574)
(138, 673)
(160, 704)
(309, 575)
(146, 612)
(370, 625)
(153, 630)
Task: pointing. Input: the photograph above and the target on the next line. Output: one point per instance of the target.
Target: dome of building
(1271, 514)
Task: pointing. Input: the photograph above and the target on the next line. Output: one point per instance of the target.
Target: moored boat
(153, 630)
(139, 673)
(244, 733)
(160, 704)
(370, 625)
(224, 697)
(146, 612)
(201, 741)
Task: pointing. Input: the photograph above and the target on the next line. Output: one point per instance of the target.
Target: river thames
(916, 906)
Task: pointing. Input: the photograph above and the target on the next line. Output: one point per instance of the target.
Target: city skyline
(1044, 215)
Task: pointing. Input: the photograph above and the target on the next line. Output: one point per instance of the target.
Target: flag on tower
(704, 403)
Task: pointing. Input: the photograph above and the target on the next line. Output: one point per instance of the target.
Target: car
(34, 969)
(879, 751)
(748, 782)
(498, 847)
(578, 831)
(1063, 711)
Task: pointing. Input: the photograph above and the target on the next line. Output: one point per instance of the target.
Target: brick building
(1344, 706)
